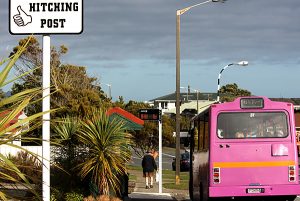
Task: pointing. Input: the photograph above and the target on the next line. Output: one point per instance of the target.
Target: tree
(231, 91)
(146, 138)
(108, 146)
(72, 89)
(76, 92)
(119, 103)
(64, 151)
(168, 126)
(134, 107)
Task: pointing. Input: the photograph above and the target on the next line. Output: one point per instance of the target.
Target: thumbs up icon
(22, 19)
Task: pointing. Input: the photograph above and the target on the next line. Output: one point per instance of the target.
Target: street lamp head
(222, 1)
(243, 63)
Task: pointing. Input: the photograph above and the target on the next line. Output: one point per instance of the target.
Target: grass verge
(168, 178)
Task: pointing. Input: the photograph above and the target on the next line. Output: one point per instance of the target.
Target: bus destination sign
(249, 103)
(45, 17)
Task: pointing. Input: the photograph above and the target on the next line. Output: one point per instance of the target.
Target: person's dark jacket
(148, 163)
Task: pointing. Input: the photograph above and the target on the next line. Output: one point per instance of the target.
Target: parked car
(184, 162)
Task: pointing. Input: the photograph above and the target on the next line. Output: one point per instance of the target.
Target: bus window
(252, 125)
(202, 140)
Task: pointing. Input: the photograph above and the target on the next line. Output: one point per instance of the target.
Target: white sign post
(46, 118)
(160, 152)
(46, 17)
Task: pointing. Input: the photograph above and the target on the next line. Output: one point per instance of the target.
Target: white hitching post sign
(46, 16)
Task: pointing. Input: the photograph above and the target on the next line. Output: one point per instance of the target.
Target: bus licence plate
(254, 190)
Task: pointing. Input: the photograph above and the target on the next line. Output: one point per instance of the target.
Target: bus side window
(201, 135)
(206, 133)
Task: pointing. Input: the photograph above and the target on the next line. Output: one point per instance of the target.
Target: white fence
(7, 149)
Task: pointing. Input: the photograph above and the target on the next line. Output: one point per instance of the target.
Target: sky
(131, 44)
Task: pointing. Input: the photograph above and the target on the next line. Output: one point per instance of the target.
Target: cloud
(127, 36)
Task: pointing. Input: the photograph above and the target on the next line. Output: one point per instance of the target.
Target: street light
(178, 14)
(187, 92)
(241, 63)
(109, 89)
(195, 90)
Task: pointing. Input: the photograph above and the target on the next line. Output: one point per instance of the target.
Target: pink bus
(244, 148)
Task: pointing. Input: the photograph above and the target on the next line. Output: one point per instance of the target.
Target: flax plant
(108, 146)
(10, 107)
(66, 145)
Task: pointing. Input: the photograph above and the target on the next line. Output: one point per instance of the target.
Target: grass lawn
(168, 178)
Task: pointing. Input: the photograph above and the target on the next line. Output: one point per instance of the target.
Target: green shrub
(29, 165)
(53, 197)
(74, 196)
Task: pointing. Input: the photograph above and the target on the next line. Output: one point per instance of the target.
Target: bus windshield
(252, 125)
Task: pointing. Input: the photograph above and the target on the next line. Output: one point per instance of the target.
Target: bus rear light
(292, 174)
(216, 175)
(216, 169)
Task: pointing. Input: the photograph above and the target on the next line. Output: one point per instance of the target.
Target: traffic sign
(45, 17)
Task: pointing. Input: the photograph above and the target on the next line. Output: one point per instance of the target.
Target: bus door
(253, 149)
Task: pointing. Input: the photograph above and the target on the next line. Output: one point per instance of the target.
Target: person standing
(149, 165)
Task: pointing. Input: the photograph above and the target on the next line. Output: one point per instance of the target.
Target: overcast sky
(130, 44)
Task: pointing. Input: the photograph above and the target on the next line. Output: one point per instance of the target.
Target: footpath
(140, 193)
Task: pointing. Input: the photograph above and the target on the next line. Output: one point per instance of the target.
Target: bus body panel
(240, 191)
(252, 167)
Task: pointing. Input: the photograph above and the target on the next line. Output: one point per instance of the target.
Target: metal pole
(177, 173)
(46, 118)
(241, 63)
(178, 13)
(219, 78)
(197, 102)
(187, 94)
(160, 151)
(109, 88)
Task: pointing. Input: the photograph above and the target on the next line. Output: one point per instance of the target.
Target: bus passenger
(239, 134)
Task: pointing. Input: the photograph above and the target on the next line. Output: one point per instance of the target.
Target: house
(131, 122)
(11, 146)
(190, 108)
(20, 116)
(168, 101)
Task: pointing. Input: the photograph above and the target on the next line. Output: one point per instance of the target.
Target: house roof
(294, 101)
(202, 105)
(183, 96)
(20, 115)
(132, 122)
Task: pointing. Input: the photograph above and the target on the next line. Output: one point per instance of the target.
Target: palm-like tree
(108, 145)
(65, 141)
